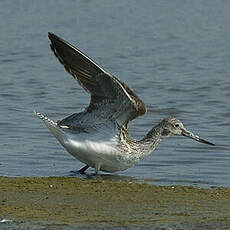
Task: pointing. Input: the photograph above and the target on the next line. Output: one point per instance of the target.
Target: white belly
(96, 147)
(99, 155)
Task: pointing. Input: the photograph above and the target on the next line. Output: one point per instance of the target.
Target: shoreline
(70, 202)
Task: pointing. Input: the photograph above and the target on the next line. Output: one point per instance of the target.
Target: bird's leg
(82, 170)
(97, 168)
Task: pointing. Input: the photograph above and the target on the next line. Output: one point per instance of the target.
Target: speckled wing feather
(107, 92)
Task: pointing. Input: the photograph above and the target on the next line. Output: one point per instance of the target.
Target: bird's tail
(45, 119)
(53, 127)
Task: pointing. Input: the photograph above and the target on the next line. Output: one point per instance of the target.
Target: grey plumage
(99, 136)
(110, 97)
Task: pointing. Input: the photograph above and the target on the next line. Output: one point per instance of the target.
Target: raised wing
(108, 94)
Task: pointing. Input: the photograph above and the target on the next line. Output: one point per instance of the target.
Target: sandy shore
(69, 203)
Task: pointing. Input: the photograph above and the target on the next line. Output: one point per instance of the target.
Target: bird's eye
(177, 125)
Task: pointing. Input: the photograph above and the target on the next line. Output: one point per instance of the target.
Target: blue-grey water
(174, 54)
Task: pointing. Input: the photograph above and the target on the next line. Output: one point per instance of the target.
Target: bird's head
(173, 126)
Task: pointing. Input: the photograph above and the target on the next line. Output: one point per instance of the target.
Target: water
(174, 54)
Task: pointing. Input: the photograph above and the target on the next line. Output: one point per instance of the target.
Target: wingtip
(51, 35)
(54, 39)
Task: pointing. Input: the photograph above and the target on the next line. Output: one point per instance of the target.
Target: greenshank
(99, 136)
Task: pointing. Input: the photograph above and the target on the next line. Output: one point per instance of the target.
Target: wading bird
(99, 135)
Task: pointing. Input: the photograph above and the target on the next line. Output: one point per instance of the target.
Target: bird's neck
(142, 148)
(153, 138)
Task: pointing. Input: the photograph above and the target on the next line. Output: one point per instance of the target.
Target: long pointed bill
(195, 137)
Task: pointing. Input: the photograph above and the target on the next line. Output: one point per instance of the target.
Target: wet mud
(73, 203)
